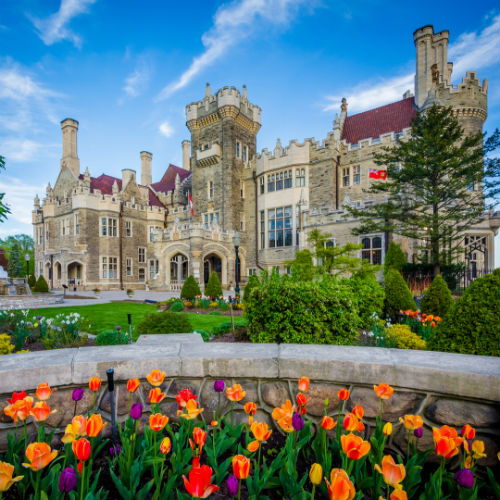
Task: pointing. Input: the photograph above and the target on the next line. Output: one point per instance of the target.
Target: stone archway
(75, 274)
(47, 272)
(57, 274)
(212, 262)
(178, 270)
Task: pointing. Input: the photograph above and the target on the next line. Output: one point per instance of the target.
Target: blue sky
(125, 70)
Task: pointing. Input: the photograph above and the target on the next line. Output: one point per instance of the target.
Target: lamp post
(236, 243)
(27, 259)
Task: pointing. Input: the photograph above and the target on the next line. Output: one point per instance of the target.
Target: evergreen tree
(437, 298)
(4, 209)
(394, 257)
(41, 285)
(190, 288)
(253, 281)
(213, 288)
(302, 267)
(438, 181)
(15, 268)
(397, 295)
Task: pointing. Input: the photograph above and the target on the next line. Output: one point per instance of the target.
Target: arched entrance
(47, 272)
(75, 273)
(179, 269)
(57, 274)
(212, 262)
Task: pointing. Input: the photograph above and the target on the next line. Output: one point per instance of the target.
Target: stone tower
(70, 158)
(223, 130)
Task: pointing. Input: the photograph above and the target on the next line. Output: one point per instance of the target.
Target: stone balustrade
(442, 388)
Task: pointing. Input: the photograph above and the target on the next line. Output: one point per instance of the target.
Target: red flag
(191, 203)
(377, 174)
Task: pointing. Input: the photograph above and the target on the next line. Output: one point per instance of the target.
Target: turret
(186, 146)
(146, 173)
(69, 158)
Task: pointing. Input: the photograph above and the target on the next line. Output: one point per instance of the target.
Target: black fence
(471, 274)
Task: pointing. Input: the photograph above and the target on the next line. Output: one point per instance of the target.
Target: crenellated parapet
(294, 154)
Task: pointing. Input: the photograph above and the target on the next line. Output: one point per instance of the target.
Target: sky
(126, 70)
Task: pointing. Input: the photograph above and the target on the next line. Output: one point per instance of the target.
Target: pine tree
(438, 181)
(213, 288)
(437, 298)
(4, 209)
(41, 285)
(190, 288)
(394, 257)
(253, 281)
(397, 294)
(15, 268)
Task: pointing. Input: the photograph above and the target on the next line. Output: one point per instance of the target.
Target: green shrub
(437, 298)
(471, 325)
(204, 335)
(31, 281)
(397, 295)
(395, 258)
(111, 337)
(369, 296)
(165, 322)
(176, 306)
(302, 267)
(403, 338)
(302, 312)
(41, 285)
(190, 288)
(213, 288)
(253, 281)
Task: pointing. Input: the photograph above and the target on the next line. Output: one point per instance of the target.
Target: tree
(15, 268)
(302, 267)
(253, 282)
(437, 298)
(213, 288)
(394, 257)
(4, 209)
(41, 285)
(190, 288)
(438, 182)
(397, 294)
(26, 246)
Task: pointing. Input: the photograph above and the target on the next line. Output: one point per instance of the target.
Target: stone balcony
(209, 156)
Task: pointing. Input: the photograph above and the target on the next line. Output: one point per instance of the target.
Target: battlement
(294, 154)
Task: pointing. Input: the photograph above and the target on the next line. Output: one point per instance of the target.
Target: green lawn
(106, 316)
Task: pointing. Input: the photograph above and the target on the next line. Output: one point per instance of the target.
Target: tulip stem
(37, 483)
(74, 411)
(239, 488)
(441, 468)
(83, 479)
(258, 459)
(313, 491)
(408, 452)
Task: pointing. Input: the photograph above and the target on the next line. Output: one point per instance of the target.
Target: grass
(108, 316)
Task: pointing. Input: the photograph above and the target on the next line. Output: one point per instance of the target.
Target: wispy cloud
(54, 28)
(137, 81)
(23, 150)
(471, 51)
(166, 129)
(19, 196)
(234, 22)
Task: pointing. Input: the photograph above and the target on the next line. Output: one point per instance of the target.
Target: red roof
(167, 182)
(392, 117)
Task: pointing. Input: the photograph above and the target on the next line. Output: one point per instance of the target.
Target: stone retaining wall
(442, 388)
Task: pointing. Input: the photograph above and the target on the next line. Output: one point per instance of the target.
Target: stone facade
(105, 232)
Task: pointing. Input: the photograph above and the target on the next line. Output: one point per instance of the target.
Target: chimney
(69, 158)
(146, 175)
(186, 146)
(127, 175)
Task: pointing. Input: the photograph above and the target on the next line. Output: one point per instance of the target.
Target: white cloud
(137, 81)
(232, 23)
(471, 51)
(23, 150)
(54, 28)
(19, 197)
(166, 129)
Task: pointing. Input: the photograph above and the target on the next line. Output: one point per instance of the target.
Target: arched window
(179, 267)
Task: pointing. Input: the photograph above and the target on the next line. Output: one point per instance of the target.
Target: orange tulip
(43, 391)
(6, 479)
(235, 393)
(191, 410)
(198, 485)
(20, 409)
(214, 423)
(354, 446)
(393, 473)
(412, 422)
(155, 395)
(253, 446)
(95, 425)
(302, 400)
(358, 411)
(165, 445)
(383, 391)
(250, 408)
(39, 455)
(304, 384)
(351, 423)
(241, 466)
(79, 424)
(158, 421)
(260, 431)
(156, 377)
(340, 486)
(283, 416)
(437, 319)
(41, 411)
(399, 494)
(133, 384)
(446, 441)
(81, 449)
(183, 397)
(95, 383)
(468, 432)
(343, 394)
(328, 423)
(199, 436)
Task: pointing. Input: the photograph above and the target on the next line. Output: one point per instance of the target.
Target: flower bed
(228, 454)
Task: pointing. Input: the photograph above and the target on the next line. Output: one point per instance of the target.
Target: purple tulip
(136, 411)
(232, 485)
(219, 386)
(297, 422)
(67, 480)
(418, 432)
(118, 327)
(464, 478)
(114, 451)
(77, 394)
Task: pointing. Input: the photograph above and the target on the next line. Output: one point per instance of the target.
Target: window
(245, 153)
(154, 268)
(128, 228)
(279, 181)
(345, 176)
(288, 179)
(242, 225)
(270, 183)
(109, 226)
(300, 177)
(356, 174)
(242, 190)
(280, 227)
(372, 249)
(152, 230)
(237, 149)
(252, 271)
(211, 218)
(47, 232)
(142, 274)
(141, 256)
(210, 190)
(262, 185)
(128, 266)
(77, 223)
(109, 267)
(262, 229)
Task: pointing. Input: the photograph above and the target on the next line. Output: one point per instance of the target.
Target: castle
(111, 233)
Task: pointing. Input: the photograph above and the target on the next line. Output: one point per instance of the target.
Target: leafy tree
(397, 294)
(427, 194)
(253, 281)
(302, 267)
(4, 209)
(394, 257)
(213, 288)
(15, 268)
(190, 288)
(437, 298)
(26, 246)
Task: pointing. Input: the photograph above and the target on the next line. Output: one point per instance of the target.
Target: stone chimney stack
(186, 155)
(127, 175)
(146, 174)
(69, 158)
